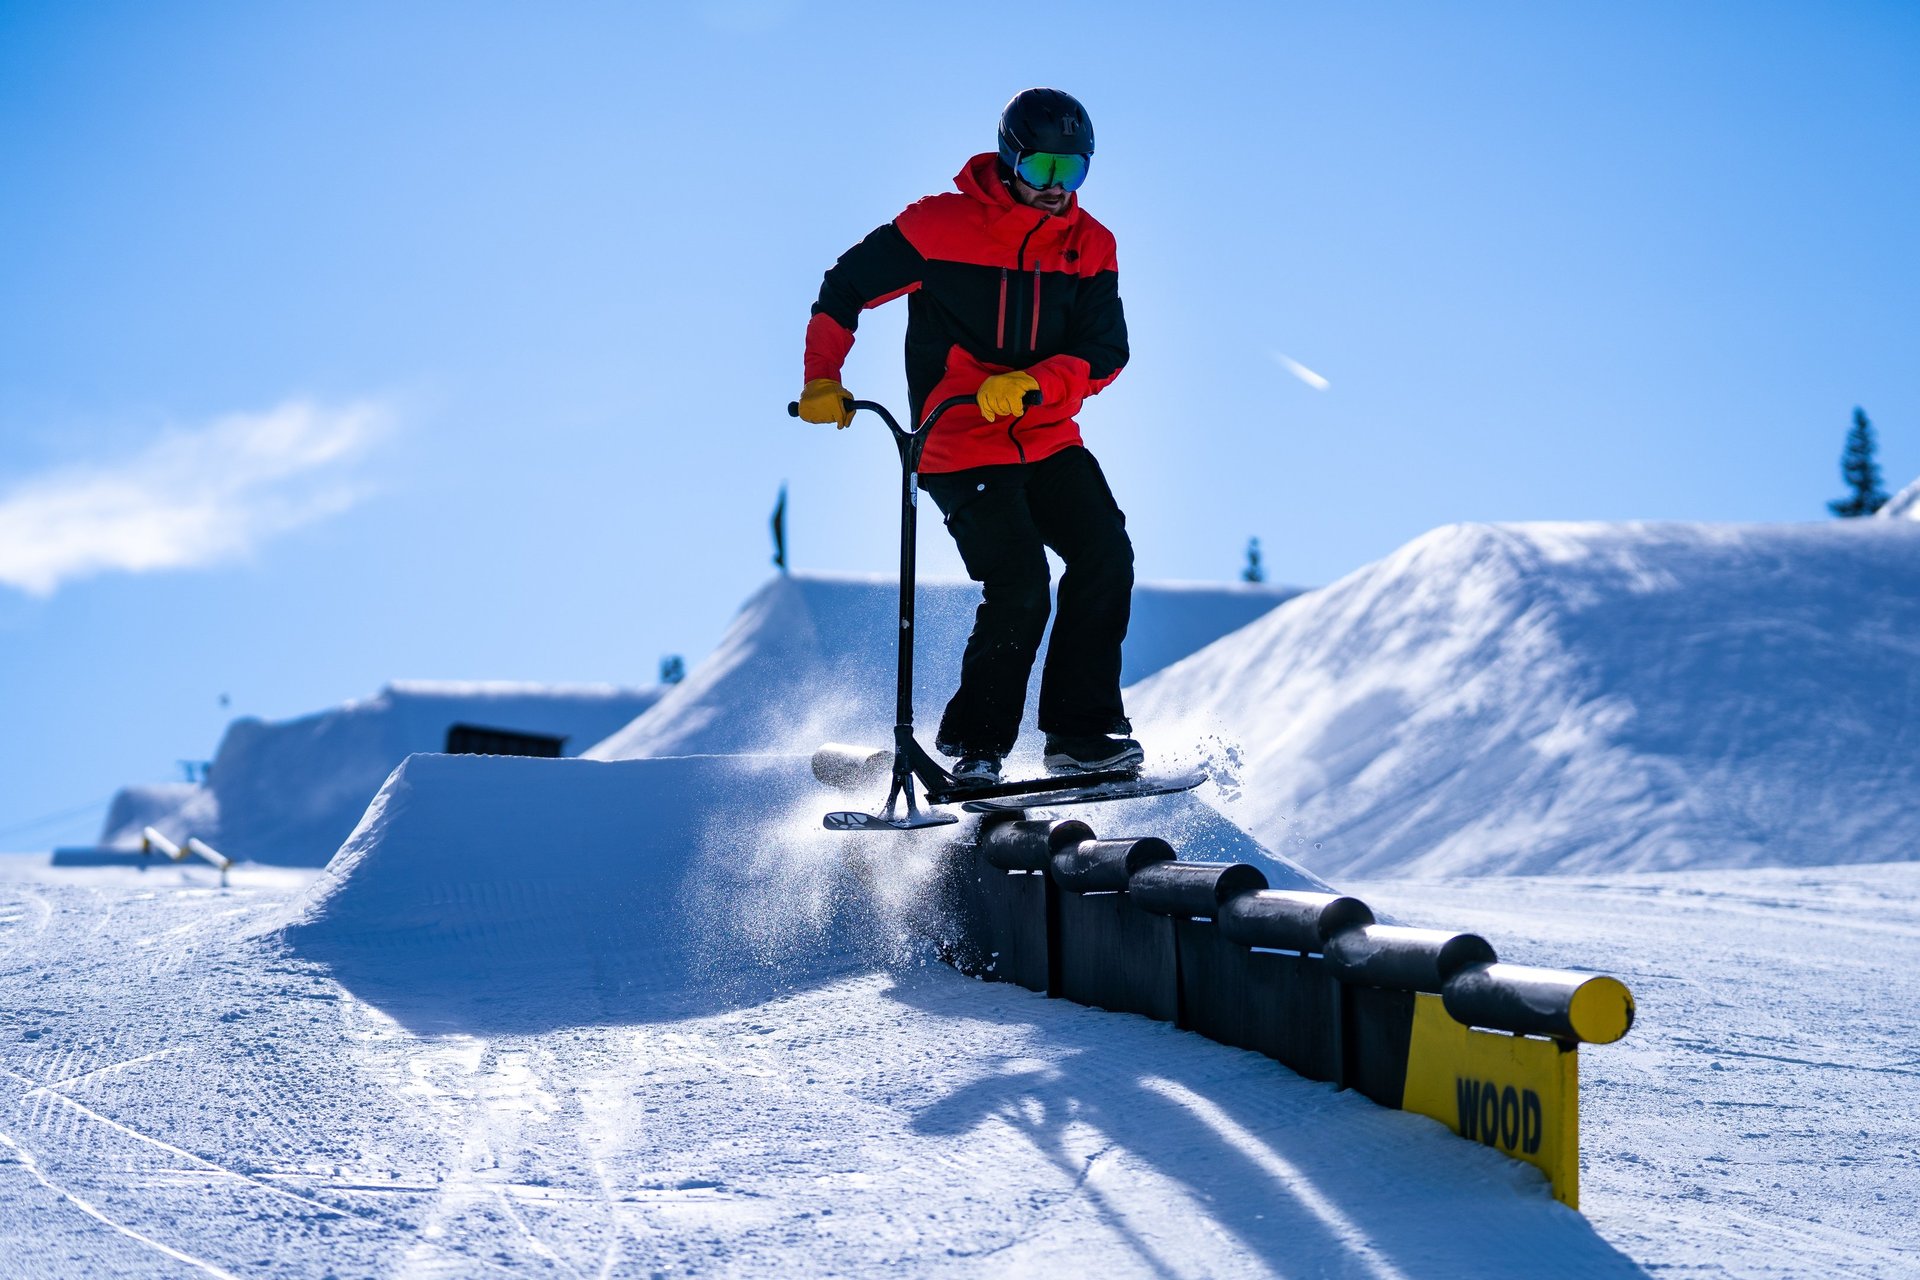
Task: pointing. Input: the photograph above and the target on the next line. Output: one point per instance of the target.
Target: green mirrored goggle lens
(1043, 169)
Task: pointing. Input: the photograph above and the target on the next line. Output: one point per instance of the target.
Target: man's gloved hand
(824, 400)
(1000, 396)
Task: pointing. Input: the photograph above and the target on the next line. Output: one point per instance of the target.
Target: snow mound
(179, 809)
(290, 791)
(520, 895)
(810, 659)
(1904, 505)
(1577, 697)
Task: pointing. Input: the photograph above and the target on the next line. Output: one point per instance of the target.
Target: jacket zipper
(1011, 422)
(1000, 334)
(1020, 264)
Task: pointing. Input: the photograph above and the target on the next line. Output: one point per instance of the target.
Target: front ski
(1081, 792)
(854, 820)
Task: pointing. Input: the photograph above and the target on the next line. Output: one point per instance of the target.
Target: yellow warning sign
(1519, 1094)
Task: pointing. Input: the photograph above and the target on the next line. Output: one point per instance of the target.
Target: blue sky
(378, 341)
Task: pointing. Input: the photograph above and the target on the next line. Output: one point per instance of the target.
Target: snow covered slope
(182, 1093)
(1904, 505)
(605, 891)
(1573, 697)
(290, 791)
(810, 659)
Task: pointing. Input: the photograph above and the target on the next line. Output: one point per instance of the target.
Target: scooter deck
(1069, 792)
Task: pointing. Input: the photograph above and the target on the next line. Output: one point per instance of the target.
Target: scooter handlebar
(1031, 400)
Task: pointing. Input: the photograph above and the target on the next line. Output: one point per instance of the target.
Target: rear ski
(854, 820)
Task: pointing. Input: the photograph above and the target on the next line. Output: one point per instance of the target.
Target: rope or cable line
(50, 819)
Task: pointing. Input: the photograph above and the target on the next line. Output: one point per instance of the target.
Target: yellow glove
(1000, 396)
(825, 400)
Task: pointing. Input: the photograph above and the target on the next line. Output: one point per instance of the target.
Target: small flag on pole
(780, 531)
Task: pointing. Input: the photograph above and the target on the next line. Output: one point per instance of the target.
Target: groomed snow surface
(499, 1039)
(639, 1015)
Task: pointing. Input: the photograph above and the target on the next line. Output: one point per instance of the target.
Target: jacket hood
(979, 179)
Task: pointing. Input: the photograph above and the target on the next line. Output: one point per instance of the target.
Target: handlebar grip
(793, 406)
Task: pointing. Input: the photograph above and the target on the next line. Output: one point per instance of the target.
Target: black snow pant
(1003, 518)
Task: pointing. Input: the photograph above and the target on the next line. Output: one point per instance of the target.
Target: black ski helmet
(1044, 120)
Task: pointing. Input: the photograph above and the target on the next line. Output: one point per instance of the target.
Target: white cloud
(1301, 372)
(192, 498)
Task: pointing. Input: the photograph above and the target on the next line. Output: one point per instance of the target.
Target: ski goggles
(1043, 169)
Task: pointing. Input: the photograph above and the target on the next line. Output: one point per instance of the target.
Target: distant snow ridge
(810, 658)
(1904, 505)
(1573, 697)
(290, 791)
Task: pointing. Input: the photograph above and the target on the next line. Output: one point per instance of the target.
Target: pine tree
(673, 669)
(1860, 471)
(1253, 572)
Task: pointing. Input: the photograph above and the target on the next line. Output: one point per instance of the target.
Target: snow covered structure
(691, 842)
(488, 895)
(810, 659)
(290, 791)
(596, 891)
(493, 895)
(1572, 697)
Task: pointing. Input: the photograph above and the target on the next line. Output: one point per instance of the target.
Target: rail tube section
(152, 841)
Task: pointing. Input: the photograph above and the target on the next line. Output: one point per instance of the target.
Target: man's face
(1053, 199)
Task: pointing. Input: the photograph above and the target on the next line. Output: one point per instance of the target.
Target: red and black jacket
(995, 285)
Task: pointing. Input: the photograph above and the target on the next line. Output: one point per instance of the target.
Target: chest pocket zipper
(1000, 333)
(1033, 339)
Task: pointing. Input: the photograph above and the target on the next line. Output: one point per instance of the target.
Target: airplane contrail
(1301, 372)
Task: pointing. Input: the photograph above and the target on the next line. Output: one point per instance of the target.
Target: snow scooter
(910, 760)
